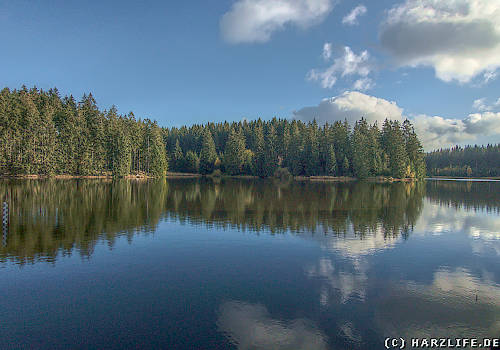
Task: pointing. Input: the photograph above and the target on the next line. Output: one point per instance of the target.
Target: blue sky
(192, 62)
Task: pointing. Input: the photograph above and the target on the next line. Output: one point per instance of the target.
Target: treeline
(262, 147)
(44, 134)
(465, 161)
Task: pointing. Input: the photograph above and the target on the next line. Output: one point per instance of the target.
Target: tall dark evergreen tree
(360, 148)
(156, 157)
(234, 154)
(311, 150)
(178, 160)
(331, 162)
(271, 154)
(208, 154)
(260, 151)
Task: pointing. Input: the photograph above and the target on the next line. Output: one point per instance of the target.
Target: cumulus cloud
(439, 132)
(249, 326)
(256, 20)
(351, 105)
(352, 17)
(460, 39)
(349, 64)
(434, 131)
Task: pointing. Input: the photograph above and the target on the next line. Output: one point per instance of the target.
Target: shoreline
(464, 177)
(98, 177)
(176, 175)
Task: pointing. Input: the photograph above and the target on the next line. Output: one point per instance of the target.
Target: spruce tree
(208, 154)
(156, 154)
(294, 156)
(192, 162)
(271, 156)
(260, 152)
(360, 149)
(331, 162)
(311, 150)
(178, 161)
(234, 154)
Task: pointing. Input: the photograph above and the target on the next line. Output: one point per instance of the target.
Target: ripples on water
(247, 264)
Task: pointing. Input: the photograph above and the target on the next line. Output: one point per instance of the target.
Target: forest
(477, 161)
(44, 134)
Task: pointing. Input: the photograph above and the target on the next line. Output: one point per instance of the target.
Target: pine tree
(208, 154)
(394, 146)
(294, 157)
(122, 155)
(192, 163)
(260, 152)
(331, 162)
(311, 150)
(345, 167)
(178, 161)
(234, 154)
(414, 151)
(360, 149)
(156, 157)
(271, 156)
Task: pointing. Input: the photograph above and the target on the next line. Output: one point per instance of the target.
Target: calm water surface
(241, 264)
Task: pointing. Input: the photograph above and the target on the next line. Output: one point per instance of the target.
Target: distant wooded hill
(465, 161)
(44, 134)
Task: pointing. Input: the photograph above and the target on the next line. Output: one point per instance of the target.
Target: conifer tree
(208, 154)
(311, 150)
(154, 148)
(271, 156)
(178, 161)
(360, 149)
(234, 154)
(331, 162)
(294, 157)
(345, 167)
(260, 152)
(414, 151)
(121, 155)
(192, 163)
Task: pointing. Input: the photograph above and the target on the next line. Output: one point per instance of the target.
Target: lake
(246, 264)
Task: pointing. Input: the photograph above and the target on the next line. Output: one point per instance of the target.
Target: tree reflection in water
(52, 217)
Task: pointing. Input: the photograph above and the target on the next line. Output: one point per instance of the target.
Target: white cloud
(460, 39)
(363, 84)
(488, 76)
(351, 105)
(480, 104)
(439, 132)
(327, 51)
(349, 64)
(352, 17)
(434, 131)
(256, 20)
